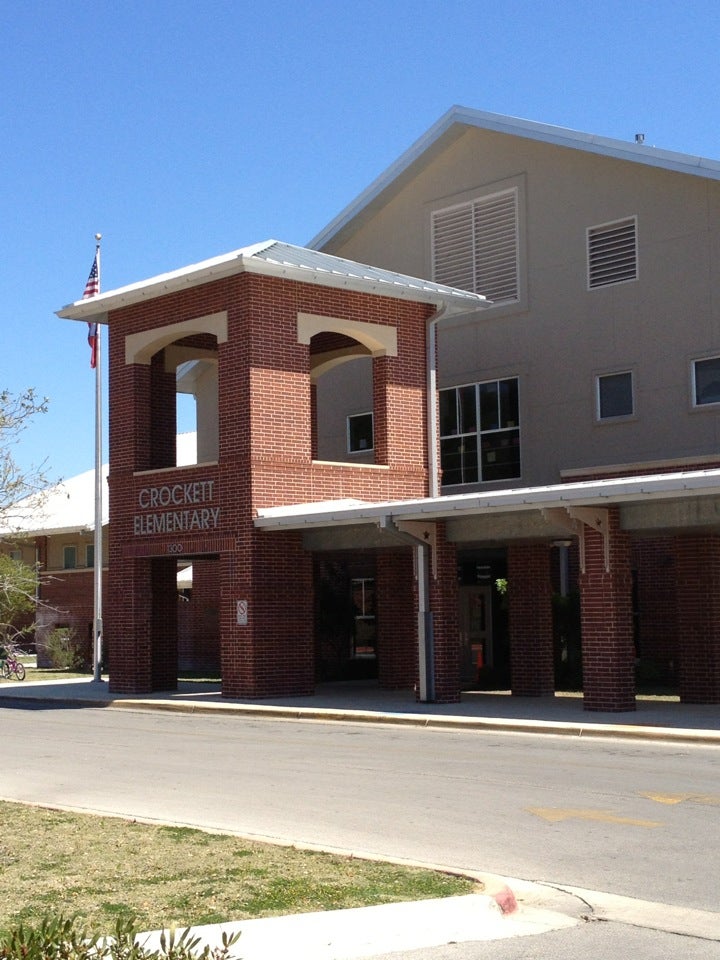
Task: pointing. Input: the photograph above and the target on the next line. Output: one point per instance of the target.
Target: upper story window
(480, 432)
(69, 558)
(89, 554)
(475, 246)
(612, 253)
(615, 395)
(360, 432)
(706, 381)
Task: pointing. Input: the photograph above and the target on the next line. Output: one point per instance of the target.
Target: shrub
(61, 938)
(63, 650)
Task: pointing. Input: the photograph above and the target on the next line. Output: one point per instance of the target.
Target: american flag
(92, 288)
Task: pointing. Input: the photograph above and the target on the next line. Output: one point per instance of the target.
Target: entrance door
(476, 648)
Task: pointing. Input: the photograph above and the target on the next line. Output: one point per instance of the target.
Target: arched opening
(341, 373)
(343, 407)
(183, 391)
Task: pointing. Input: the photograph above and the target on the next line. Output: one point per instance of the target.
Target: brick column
(163, 413)
(313, 422)
(128, 629)
(164, 642)
(273, 653)
(698, 607)
(532, 669)
(446, 629)
(606, 615)
(395, 597)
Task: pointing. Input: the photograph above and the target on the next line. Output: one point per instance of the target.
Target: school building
(414, 478)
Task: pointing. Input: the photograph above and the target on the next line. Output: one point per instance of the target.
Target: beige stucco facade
(560, 335)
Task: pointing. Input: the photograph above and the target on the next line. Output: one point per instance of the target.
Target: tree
(21, 495)
(20, 490)
(17, 600)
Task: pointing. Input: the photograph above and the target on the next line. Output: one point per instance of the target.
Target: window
(614, 395)
(706, 381)
(363, 598)
(475, 246)
(612, 253)
(480, 432)
(69, 558)
(360, 432)
(90, 555)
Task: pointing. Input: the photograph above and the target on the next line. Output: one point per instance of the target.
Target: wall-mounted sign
(176, 508)
(242, 613)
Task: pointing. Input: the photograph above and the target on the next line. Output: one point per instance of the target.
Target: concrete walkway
(348, 934)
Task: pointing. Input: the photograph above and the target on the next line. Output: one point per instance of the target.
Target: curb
(320, 714)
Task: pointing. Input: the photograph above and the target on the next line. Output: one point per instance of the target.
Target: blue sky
(181, 130)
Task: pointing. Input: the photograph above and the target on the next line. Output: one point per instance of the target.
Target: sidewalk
(365, 702)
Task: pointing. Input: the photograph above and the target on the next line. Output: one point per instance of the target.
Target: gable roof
(278, 259)
(459, 119)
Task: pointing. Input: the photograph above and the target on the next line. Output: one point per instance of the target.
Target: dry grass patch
(101, 868)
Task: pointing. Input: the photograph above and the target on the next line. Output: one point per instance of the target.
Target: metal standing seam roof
(458, 118)
(276, 258)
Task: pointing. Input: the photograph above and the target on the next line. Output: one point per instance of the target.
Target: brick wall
(657, 636)
(698, 591)
(530, 620)
(396, 620)
(67, 600)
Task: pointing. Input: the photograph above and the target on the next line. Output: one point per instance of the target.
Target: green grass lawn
(101, 868)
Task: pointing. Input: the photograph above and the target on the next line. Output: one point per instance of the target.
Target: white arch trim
(141, 347)
(380, 340)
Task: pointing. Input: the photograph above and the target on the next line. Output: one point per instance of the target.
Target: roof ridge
(459, 116)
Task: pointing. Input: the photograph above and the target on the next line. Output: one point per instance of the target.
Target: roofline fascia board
(510, 501)
(98, 307)
(243, 261)
(546, 133)
(85, 529)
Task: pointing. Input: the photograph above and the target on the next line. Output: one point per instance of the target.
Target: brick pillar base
(606, 611)
(531, 624)
(698, 605)
(396, 620)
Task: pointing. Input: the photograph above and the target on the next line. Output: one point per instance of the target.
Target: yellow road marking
(556, 815)
(672, 798)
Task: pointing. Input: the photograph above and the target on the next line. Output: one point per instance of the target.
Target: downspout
(426, 648)
(432, 403)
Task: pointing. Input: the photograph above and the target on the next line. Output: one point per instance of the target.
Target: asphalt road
(637, 819)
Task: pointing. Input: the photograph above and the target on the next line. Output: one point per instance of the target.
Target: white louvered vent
(475, 246)
(612, 253)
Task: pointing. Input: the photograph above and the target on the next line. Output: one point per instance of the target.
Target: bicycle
(11, 666)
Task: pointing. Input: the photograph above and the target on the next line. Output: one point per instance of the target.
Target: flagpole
(98, 550)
